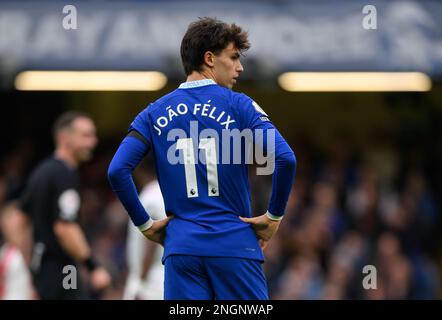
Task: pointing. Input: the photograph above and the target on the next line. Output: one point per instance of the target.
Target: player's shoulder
(233, 98)
(245, 104)
(165, 100)
(240, 98)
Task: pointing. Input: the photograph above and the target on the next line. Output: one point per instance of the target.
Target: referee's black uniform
(51, 195)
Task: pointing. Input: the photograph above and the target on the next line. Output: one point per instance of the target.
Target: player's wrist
(146, 226)
(273, 217)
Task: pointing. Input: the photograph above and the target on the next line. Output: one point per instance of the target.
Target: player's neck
(195, 76)
(66, 157)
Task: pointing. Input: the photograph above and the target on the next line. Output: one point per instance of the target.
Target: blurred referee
(51, 203)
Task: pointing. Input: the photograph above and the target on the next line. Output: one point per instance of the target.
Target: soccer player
(212, 245)
(145, 271)
(50, 204)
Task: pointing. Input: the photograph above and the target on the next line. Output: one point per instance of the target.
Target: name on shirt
(202, 109)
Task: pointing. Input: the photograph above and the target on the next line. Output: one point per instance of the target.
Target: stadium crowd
(347, 210)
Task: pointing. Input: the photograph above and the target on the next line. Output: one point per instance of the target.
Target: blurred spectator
(15, 278)
(343, 213)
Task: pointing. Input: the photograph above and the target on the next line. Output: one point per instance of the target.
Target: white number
(189, 166)
(209, 146)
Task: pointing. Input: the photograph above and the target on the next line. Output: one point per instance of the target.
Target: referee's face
(82, 139)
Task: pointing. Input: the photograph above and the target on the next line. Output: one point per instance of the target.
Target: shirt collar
(196, 84)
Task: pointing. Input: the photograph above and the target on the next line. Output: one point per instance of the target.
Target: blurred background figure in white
(145, 278)
(15, 279)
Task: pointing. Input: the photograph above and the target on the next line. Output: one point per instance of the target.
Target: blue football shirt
(203, 188)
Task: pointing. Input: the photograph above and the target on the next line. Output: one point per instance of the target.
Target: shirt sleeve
(268, 142)
(129, 154)
(142, 125)
(67, 198)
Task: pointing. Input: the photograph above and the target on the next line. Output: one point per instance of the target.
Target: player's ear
(209, 59)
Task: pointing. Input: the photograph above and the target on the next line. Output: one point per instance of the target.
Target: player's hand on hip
(264, 228)
(157, 232)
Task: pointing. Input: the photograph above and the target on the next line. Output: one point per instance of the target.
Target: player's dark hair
(66, 119)
(209, 34)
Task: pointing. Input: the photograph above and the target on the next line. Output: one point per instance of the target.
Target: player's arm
(68, 232)
(283, 177)
(267, 224)
(72, 239)
(284, 161)
(131, 151)
(65, 226)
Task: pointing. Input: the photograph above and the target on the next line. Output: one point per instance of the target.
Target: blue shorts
(213, 278)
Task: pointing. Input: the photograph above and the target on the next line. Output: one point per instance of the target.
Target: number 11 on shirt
(209, 146)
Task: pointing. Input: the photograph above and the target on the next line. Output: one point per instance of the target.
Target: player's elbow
(288, 160)
(291, 160)
(114, 172)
